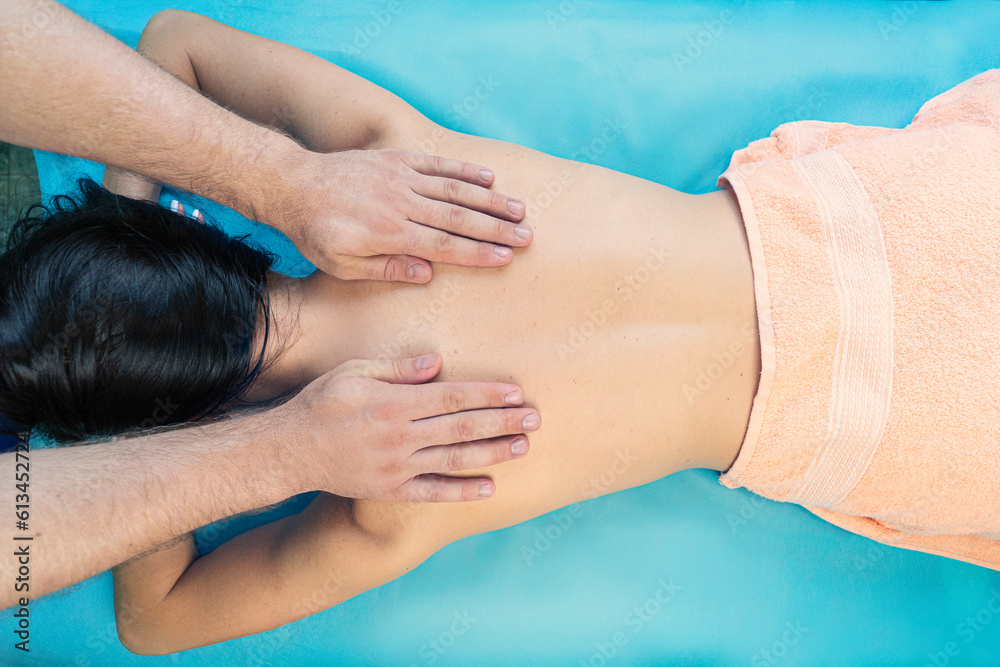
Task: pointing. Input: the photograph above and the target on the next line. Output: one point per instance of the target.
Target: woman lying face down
(631, 295)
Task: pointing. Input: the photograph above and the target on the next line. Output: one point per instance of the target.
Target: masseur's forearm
(92, 507)
(69, 87)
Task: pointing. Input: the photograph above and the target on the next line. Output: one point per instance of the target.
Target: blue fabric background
(681, 85)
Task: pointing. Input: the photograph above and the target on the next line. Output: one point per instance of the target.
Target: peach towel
(876, 264)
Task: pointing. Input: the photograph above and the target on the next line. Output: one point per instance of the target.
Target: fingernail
(519, 447)
(417, 273)
(515, 207)
(174, 205)
(531, 422)
(486, 174)
(486, 490)
(523, 232)
(514, 398)
(503, 253)
(426, 361)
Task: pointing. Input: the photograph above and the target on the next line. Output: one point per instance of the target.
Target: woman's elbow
(142, 632)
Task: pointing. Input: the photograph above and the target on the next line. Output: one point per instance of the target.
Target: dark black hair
(117, 314)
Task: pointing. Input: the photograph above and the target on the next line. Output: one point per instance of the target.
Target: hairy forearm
(71, 88)
(91, 507)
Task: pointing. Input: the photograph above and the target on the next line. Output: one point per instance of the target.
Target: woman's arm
(439, 208)
(324, 107)
(172, 600)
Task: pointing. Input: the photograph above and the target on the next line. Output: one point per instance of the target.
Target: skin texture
(69, 87)
(629, 291)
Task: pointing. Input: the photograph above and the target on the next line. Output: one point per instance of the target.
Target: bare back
(630, 322)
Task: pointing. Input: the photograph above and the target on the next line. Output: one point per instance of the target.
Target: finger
(435, 245)
(407, 370)
(393, 268)
(438, 489)
(469, 455)
(472, 425)
(442, 398)
(452, 217)
(435, 165)
(471, 196)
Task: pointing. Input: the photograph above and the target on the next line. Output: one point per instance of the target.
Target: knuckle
(497, 201)
(512, 421)
(486, 252)
(391, 271)
(452, 189)
(443, 241)
(381, 228)
(502, 230)
(456, 459)
(394, 440)
(384, 411)
(454, 399)
(469, 491)
(457, 217)
(465, 429)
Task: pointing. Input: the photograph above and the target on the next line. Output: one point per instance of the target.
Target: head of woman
(117, 314)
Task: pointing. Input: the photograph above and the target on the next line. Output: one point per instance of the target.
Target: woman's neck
(287, 362)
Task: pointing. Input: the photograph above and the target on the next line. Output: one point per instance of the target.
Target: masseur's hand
(371, 429)
(385, 214)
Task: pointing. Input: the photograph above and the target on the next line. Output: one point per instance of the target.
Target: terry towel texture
(876, 267)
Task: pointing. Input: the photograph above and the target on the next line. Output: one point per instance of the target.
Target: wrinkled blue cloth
(680, 571)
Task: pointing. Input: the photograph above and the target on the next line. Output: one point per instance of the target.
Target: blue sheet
(680, 571)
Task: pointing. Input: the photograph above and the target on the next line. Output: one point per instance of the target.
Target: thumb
(393, 268)
(410, 370)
